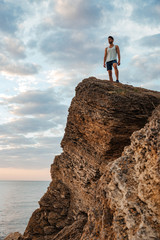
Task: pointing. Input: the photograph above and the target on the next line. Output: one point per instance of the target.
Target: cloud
(9, 67)
(65, 79)
(34, 138)
(146, 66)
(37, 103)
(74, 15)
(28, 152)
(153, 84)
(48, 141)
(14, 47)
(26, 125)
(21, 69)
(32, 43)
(36, 156)
(13, 141)
(10, 17)
(146, 12)
(76, 52)
(36, 135)
(151, 40)
(77, 14)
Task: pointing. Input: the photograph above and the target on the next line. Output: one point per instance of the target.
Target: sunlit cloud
(14, 47)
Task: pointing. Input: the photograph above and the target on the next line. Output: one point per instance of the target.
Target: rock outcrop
(128, 193)
(14, 236)
(106, 182)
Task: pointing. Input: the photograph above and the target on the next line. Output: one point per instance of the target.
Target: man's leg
(116, 70)
(110, 75)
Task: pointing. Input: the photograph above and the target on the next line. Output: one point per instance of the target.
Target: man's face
(110, 40)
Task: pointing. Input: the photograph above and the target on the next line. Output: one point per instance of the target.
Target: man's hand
(118, 63)
(104, 65)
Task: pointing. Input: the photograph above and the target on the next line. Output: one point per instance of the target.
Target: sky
(46, 48)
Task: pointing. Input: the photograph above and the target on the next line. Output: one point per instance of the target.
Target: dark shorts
(110, 63)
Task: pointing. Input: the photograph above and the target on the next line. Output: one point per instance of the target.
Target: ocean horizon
(18, 200)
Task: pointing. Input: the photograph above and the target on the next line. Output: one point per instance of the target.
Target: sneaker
(117, 80)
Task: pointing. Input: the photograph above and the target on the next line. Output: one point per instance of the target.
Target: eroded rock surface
(14, 236)
(128, 193)
(98, 192)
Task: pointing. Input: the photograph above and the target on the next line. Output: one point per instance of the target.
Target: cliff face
(130, 188)
(106, 182)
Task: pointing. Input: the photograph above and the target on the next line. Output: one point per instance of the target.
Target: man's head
(110, 39)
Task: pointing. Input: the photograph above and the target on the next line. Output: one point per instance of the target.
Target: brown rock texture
(106, 182)
(128, 193)
(14, 236)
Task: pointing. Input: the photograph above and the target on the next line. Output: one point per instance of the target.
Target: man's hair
(111, 37)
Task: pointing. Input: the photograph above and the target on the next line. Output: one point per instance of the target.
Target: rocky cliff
(106, 182)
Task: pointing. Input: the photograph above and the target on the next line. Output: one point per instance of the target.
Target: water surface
(18, 200)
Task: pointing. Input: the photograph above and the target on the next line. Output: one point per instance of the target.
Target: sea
(18, 200)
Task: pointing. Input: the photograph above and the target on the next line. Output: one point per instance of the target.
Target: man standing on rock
(111, 55)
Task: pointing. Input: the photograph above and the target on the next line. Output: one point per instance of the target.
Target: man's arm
(118, 52)
(105, 55)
